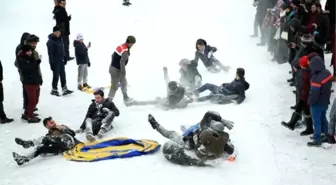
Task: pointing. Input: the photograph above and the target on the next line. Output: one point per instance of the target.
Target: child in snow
(190, 77)
(83, 61)
(176, 96)
(59, 139)
(227, 92)
(207, 138)
(99, 117)
(205, 53)
(332, 124)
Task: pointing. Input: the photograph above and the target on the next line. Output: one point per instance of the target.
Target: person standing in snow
(117, 69)
(83, 61)
(205, 53)
(59, 139)
(227, 92)
(332, 124)
(17, 50)
(207, 138)
(3, 118)
(190, 77)
(99, 117)
(63, 22)
(31, 80)
(319, 98)
(57, 63)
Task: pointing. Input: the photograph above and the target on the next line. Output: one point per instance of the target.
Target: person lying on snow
(205, 53)
(99, 117)
(227, 92)
(59, 139)
(207, 138)
(176, 96)
(190, 77)
(303, 88)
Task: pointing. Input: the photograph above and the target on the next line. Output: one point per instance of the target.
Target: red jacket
(305, 85)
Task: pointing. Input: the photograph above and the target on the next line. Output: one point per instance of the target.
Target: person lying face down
(99, 117)
(225, 93)
(59, 139)
(190, 77)
(207, 139)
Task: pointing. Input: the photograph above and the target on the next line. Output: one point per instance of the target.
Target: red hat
(304, 62)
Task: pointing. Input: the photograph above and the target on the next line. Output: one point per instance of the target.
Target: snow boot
(90, 137)
(294, 119)
(34, 120)
(85, 85)
(20, 159)
(153, 122)
(23, 143)
(54, 92)
(291, 80)
(331, 139)
(309, 126)
(6, 120)
(80, 87)
(292, 84)
(102, 132)
(314, 143)
(66, 91)
(126, 3)
(294, 106)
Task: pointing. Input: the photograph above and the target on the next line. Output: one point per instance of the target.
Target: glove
(89, 64)
(228, 124)
(210, 54)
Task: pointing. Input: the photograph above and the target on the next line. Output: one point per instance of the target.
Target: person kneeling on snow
(227, 92)
(99, 117)
(207, 138)
(59, 139)
(176, 96)
(205, 53)
(190, 77)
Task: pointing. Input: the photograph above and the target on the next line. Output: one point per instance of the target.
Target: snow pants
(33, 95)
(116, 78)
(320, 122)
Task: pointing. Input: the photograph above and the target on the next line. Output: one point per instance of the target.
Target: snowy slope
(166, 32)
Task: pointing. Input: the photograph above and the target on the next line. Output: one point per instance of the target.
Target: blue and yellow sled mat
(120, 147)
(92, 90)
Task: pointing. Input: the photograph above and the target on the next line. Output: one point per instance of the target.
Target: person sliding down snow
(227, 92)
(176, 97)
(99, 117)
(207, 138)
(59, 139)
(205, 53)
(190, 77)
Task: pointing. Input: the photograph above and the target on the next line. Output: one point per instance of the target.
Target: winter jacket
(237, 86)
(330, 6)
(310, 48)
(64, 138)
(120, 57)
(203, 55)
(81, 52)
(29, 69)
(323, 29)
(304, 87)
(24, 37)
(176, 99)
(188, 77)
(62, 20)
(55, 50)
(320, 83)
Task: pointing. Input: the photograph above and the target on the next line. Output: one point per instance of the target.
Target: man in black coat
(3, 117)
(63, 22)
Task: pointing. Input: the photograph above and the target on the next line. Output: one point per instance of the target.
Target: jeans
(320, 122)
(210, 87)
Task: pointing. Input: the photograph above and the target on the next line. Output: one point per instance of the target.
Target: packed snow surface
(166, 32)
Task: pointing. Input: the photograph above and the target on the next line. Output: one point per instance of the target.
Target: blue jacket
(55, 50)
(81, 52)
(320, 83)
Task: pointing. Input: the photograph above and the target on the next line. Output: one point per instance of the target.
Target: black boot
(152, 121)
(294, 119)
(20, 159)
(290, 80)
(314, 143)
(23, 143)
(294, 106)
(309, 129)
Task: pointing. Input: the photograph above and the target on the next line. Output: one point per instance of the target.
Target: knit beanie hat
(56, 28)
(304, 62)
(213, 143)
(306, 39)
(26, 48)
(79, 36)
(241, 72)
(131, 39)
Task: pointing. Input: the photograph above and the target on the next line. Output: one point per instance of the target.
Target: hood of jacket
(316, 64)
(24, 37)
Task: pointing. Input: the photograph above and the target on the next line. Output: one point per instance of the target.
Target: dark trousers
(33, 94)
(66, 43)
(302, 106)
(2, 111)
(210, 87)
(58, 72)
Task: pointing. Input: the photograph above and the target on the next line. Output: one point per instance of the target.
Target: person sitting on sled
(99, 117)
(176, 96)
(190, 77)
(227, 92)
(207, 138)
(59, 139)
(205, 53)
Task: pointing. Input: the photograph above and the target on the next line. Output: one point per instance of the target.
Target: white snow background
(166, 32)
